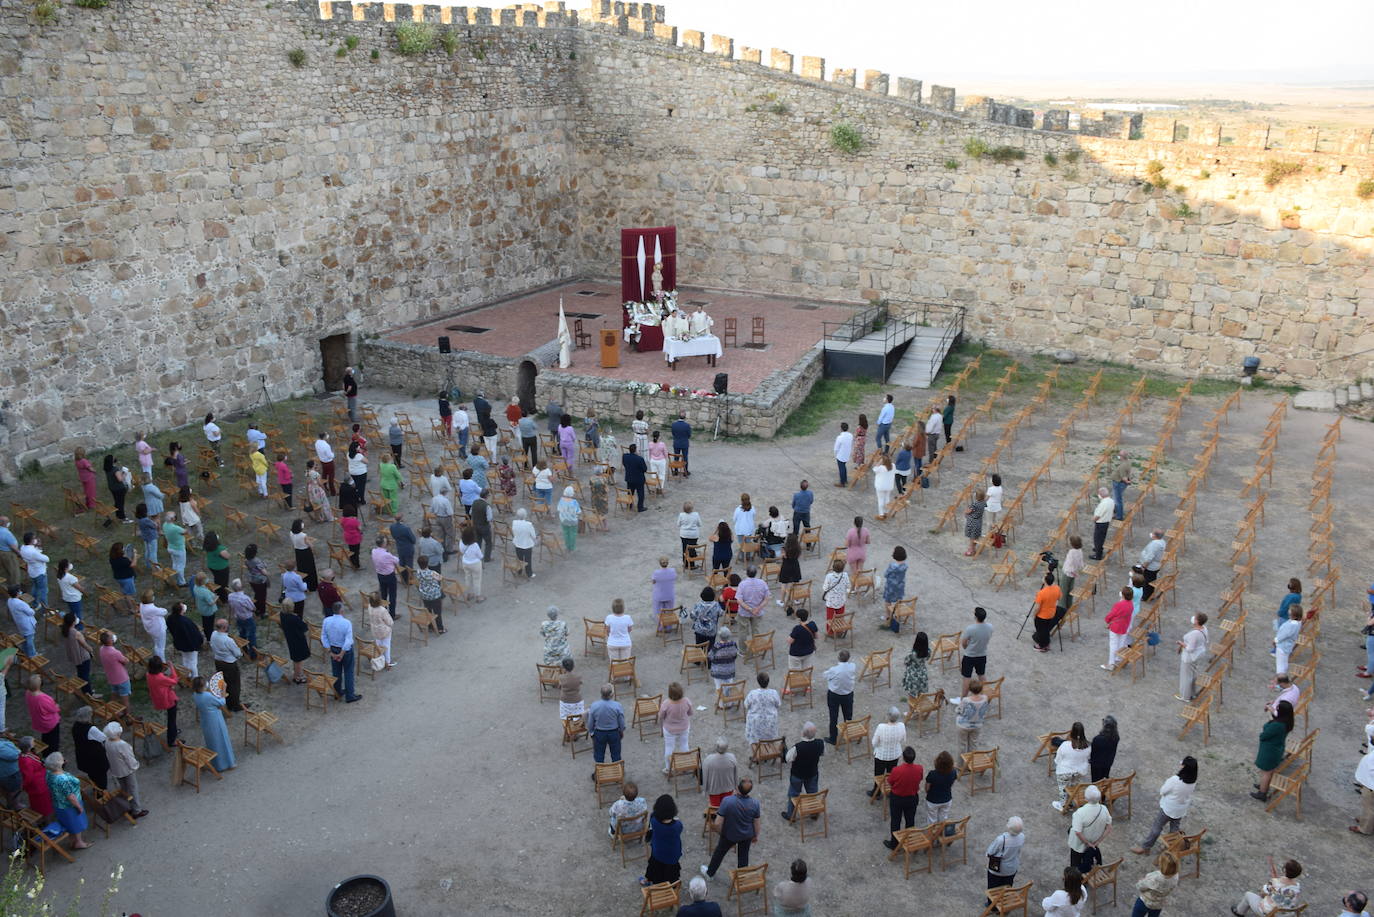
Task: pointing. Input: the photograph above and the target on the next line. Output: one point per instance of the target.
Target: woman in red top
(86, 472)
(284, 478)
(353, 537)
(162, 683)
(904, 793)
(359, 438)
(34, 777)
(1118, 625)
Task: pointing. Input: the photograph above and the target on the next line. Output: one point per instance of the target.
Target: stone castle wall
(187, 213)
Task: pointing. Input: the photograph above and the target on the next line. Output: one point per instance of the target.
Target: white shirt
(323, 451)
(543, 479)
(154, 619)
(884, 478)
(36, 560)
(300, 540)
(438, 484)
(522, 533)
(744, 521)
(256, 438)
(1364, 771)
(688, 525)
(1073, 562)
(1194, 644)
(68, 585)
(357, 464)
(844, 446)
(995, 499)
(440, 505)
(618, 627)
(839, 678)
(212, 432)
(1070, 760)
(460, 419)
(1058, 905)
(888, 741)
(1105, 508)
(936, 424)
(1175, 796)
(472, 553)
(887, 413)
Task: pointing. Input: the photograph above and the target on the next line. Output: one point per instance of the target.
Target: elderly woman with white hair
(1004, 854)
(722, 657)
(523, 537)
(700, 907)
(555, 634)
(888, 740)
(569, 517)
(123, 765)
(68, 808)
(1092, 822)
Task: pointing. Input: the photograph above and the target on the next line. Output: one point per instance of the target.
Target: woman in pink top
(1118, 625)
(145, 457)
(856, 545)
(284, 478)
(86, 472)
(658, 458)
(44, 713)
(353, 537)
(116, 669)
(675, 717)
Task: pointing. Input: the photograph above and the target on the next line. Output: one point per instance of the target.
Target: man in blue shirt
(25, 620)
(606, 723)
(404, 538)
(885, 417)
(635, 468)
(479, 465)
(9, 555)
(738, 822)
(902, 464)
(699, 907)
(292, 584)
(336, 633)
(801, 507)
(682, 436)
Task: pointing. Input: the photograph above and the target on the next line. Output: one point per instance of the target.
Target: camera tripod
(722, 418)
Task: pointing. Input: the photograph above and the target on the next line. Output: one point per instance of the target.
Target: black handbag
(995, 860)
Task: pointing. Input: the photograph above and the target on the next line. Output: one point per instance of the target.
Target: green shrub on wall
(1278, 170)
(414, 38)
(91, 4)
(1365, 190)
(45, 12)
(846, 138)
(297, 57)
(1006, 154)
(975, 147)
(448, 40)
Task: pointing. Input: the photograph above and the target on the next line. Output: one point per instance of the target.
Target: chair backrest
(685, 762)
(748, 879)
(732, 692)
(631, 827)
(596, 630)
(812, 803)
(647, 706)
(614, 772)
(622, 668)
(767, 750)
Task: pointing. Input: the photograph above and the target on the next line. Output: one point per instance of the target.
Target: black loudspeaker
(444, 345)
(722, 383)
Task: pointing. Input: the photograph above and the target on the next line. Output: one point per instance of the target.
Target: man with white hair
(719, 772)
(1152, 559)
(523, 536)
(1092, 822)
(805, 758)
(699, 907)
(1102, 520)
(1004, 854)
(1121, 479)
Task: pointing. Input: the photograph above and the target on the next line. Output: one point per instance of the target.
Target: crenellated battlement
(646, 21)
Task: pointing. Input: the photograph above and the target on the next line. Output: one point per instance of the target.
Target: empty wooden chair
(922, 707)
(730, 337)
(1199, 712)
(767, 752)
(622, 675)
(730, 699)
(685, 764)
(608, 775)
(320, 684)
(194, 759)
(877, 665)
(1283, 785)
(904, 613)
(841, 627)
(1047, 749)
(670, 626)
(1116, 788)
(948, 838)
(261, 722)
(760, 648)
(798, 595)
(575, 730)
(645, 717)
(863, 584)
(945, 649)
(809, 807)
(549, 681)
(595, 638)
(912, 842)
(660, 898)
(1101, 877)
(749, 880)
(980, 762)
(796, 687)
(852, 734)
(1007, 900)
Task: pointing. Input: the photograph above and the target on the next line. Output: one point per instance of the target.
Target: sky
(951, 41)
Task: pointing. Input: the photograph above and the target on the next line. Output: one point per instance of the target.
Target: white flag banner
(658, 253)
(640, 257)
(564, 338)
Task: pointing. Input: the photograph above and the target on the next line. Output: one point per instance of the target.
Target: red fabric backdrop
(630, 290)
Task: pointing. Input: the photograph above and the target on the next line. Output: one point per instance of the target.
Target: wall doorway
(334, 358)
(524, 386)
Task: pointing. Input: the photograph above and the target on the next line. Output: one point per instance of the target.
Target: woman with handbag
(1004, 855)
(1091, 824)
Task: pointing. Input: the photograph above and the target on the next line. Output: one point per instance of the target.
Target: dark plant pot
(360, 896)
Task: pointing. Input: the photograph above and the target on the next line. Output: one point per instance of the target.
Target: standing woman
(316, 495)
(618, 627)
(78, 652)
(1286, 640)
(1152, 890)
(154, 497)
(154, 620)
(177, 462)
(884, 482)
(217, 562)
(1271, 747)
(1071, 763)
(894, 585)
(834, 593)
(258, 462)
(856, 545)
(665, 844)
(122, 566)
(162, 693)
(1004, 854)
(995, 499)
(1175, 797)
(396, 439)
(789, 571)
(947, 417)
(1069, 570)
(472, 562)
(658, 458)
(722, 551)
(1065, 902)
(744, 517)
(915, 678)
(389, 477)
(148, 531)
(122, 765)
(856, 457)
(569, 516)
(1293, 597)
(940, 788)
(380, 621)
(117, 479)
(973, 520)
(357, 469)
(567, 442)
(705, 616)
(257, 578)
(297, 636)
(65, 791)
(86, 473)
(591, 430)
(722, 656)
(305, 554)
(761, 707)
(801, 642)
(285, 480)
(89, 743)
(352, 533)
(1102, 750)
(430, 584)
(189, 510)
(213, 436)
(70, 586)
(688, 527)
(145, 457)
(555, 634)
(213, 730)
(675, 718)
(1191, 649)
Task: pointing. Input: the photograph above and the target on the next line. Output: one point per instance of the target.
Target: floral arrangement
(678, 391)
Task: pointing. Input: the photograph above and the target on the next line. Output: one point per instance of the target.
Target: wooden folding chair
(1003, 569)
(694, 661)
(660, 898)
(196, 759)
(628, 829)
(1101, 877)
(749, 880)
(841, 627)
(38, 840)
(575, 728)
(945, 649)
(863, 584)
(730, 697)
(796, 687)
(550, 681)
(1006, 900)
(921, 707)
(692, 558)
(810, 537)
(808, 807)
(1047, 748)
(1117, 788)
(767, 752)
(1183, 846)
(980, 762)
(904, 613)
(877, 665)
(912, 842)
(595, 637)
(670, 626)
(320, 684)
(853, 733)
(685, 764)
(760, 649)
(798, 595)
(420, 622)
(947, 839)
(645, 717)
(1290, 784)
(1132, 658)
(1198, 713)
(608, 775)
(622, 673)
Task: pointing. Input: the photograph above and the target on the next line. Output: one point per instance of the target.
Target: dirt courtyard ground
(449, 779)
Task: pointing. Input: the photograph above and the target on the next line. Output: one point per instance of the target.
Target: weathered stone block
(842, 76)
(813, 68)
(876, 81)
(942, 98)
(779, 59)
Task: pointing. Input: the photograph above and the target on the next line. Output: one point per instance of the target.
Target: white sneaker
(1057, 805)
(705, 873)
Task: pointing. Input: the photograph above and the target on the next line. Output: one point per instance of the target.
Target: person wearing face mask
(1175, 798)
(1191, 649)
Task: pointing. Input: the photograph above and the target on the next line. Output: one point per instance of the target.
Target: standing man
(256, 438)
(403, 536)
(752, 594)
(934, 424)
(350, 389)
(1102, 519)
(325, 453)
(606, 723)
(974, 646)
(719, 773)
(805, 758)
(1152, 559)
(213, 435)
(25, 619)
(9, 555)
(844, 450)
(635, 468)
(441, 508)
(36, 562)
(839, 693)
(682, 440)
(947, 419)
(885, 417)
(801, 507)
(529, 438)
(227, 654)
(738, 821)
(481, 516)
(384, 563)
(336, 633)
(463, 424)
(1121, 479)
(483, 409)
(1364, 776)
(553, 412)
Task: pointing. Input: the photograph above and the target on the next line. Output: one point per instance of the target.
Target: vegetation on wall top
(846, 138)
(1278, 170)
(414, 38)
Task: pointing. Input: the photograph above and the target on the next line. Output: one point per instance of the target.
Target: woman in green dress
(391, 483)
(1271, 747)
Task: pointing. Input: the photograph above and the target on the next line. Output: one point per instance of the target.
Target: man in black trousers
(635, 467)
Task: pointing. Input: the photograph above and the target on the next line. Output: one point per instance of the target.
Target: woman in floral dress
(555, 634)
(973, 521)
(860, 441)
(320, 509)
(761, 707)
(914, 681)
(894, 584)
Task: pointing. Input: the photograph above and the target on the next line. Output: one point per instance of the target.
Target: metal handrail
(954, 329)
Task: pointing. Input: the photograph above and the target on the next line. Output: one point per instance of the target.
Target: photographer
(1047, 612)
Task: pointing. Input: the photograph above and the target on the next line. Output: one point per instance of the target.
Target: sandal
(300, 681)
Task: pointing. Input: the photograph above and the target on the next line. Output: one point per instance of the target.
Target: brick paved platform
(517, 326)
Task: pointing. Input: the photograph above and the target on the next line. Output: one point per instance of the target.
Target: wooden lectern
(610, 348)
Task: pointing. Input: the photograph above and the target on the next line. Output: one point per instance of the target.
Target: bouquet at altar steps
(642, 388)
